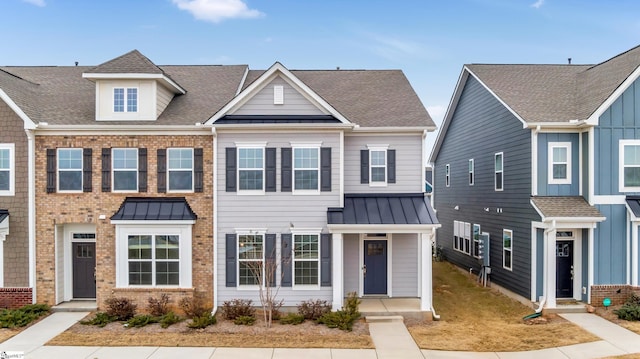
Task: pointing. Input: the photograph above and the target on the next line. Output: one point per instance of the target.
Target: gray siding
(163, 97)
(546, 189)
(294, 102)
(404, 256)
(610, 246)
(351, 263)
(409, 164)
(481, 127)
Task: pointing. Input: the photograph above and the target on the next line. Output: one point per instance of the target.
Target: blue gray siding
(610, 246)
(586, 180)
(482, 126)
(546, 189)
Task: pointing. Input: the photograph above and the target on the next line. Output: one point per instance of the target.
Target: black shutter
(286, 168)
(270, 170)
(230, 255)
(142, 169)
(51, 170)
(231, 154)
(325, 260)
(285, 256)
(391, 166)
(106, 170)
(162, 170)
(86, 170)
(325, 169)
(270, 257)
(198, 173)
(364, 166)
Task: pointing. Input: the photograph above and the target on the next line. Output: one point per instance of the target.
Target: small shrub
(121, 308)
(630, 310)
(140, 321)
(313, 309)
(340, 319)
(235, 308)
(244, 320)
(38, 309)
(11, 318)
(100, 319)
(159, 306)
(351, 304)
(202, 321)
(292, 318)
(169, 319)
(194, 306)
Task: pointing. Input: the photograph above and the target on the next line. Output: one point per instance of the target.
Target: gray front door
(375, 267)
(564, 269)
(84, 266)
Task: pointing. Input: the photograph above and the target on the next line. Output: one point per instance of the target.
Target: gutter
(31, 150)
(215, 220)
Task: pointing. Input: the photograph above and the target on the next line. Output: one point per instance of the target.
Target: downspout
(215, 220)
(546, 269)
(31, 150)
(433, 310)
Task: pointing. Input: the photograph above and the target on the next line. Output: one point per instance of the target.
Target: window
(125, 99)
(507, 247)
(125, 169)
(476, 240)
(70, 169)
(306, 259)
(499, 181)
(7, 169)
(378, 166)
(154, 260)
(471, 169)
(250, 259)
(467, 238)
(456, 235)
(559, 163)
(629, 165)
(306, 168)
(180, 169)
(251, 169)
(447, 175)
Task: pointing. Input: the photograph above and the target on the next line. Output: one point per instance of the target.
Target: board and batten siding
(544, 187)
(409, 165)
(586, 180)
(274, 211)
(610, 242)
(404, 261)
(163, 97)
(294, 102)
(481, 126)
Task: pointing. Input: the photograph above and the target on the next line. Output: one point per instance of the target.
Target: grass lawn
(474, 318)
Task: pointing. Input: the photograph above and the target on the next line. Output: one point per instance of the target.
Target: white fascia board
(282, 126)
(132, 76)
(262, 81)
(28, 123)
(632, 216)
(382, 228)
(54, 130)
(462, 79)
(391, 130)
(580, 126)
(152, 222)
(242, 81)
(594, 119)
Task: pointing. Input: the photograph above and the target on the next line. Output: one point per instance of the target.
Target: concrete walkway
(391, 339)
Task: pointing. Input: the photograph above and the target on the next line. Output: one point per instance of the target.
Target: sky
(428, 40)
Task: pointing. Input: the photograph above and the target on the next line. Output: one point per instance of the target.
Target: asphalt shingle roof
(565, 207)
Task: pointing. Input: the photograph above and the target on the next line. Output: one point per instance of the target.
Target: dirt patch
(609, 315)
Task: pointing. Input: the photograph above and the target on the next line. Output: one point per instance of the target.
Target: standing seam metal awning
(154, 209)
(384, 209)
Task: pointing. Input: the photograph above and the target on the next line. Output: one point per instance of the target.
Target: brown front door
(84, 265)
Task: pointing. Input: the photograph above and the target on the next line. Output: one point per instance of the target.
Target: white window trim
(467, 238)
(456, 234)
(295, 146)
(383, 148)
(472, 177)
(169, 170)
(474, 252)
(245, 146)
(295, 286)
(126, 99)
(123, 231)
(245, 232)
(550, 161)
(12, 170)
(495, 172)
(621, 166)
(58, 170)
(113, 171)
(505, 249)
(447, 175)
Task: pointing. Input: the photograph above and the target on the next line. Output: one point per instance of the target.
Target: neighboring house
(183, 178)
(544, 158)
(428, 180)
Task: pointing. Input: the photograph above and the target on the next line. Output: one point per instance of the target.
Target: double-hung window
(456, 235)
(447, 175)
(499, 172)
(154, 260)
(125, 99)
(507, 248)
(629, 175)
(467, 238)
(180, 169)
(70, 169)
(559, 163)
(251, 169)
(476, 240)
(306, 259)
(250, 259)
(7, 169)
(125, 169)
(306, 168)
(471, 172)
(378, 168)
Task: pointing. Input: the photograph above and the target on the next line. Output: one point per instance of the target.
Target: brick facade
(617, 293)
(13, 298)
(57, 209)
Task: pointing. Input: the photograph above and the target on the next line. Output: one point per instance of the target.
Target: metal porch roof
(154, 209)
(405, 208)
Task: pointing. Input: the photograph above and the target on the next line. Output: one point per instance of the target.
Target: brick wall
(12, 298)
(58, 209)
(617, 293)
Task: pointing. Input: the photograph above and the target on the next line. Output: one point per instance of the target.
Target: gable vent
(278, 95)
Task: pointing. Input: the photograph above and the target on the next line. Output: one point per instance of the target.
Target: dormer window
(125, 99)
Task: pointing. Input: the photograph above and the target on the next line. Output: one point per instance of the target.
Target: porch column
(426, 272)
(634, 253)
(337, 269)
(550, 266)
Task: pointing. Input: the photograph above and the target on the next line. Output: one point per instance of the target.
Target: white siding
(262, 102)
(409, 165)
(146, 100)
(405, 265)
(351, 263)
(164, 96)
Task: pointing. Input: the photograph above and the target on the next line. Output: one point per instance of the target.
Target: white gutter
(433, 310)
(31, 150)
(215, 220)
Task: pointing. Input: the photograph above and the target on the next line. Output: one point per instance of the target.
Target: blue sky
(429, 40)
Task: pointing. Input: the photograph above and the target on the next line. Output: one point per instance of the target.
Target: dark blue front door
(375, 267)
(564, 269)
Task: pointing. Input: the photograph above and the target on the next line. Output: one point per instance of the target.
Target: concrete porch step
(567, 308)
(76, 306)
(384, 319)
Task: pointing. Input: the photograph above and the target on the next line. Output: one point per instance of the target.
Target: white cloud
(216, 10)
(437, 113)
(40, 3)
(537, 4)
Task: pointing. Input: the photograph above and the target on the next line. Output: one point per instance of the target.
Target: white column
(337, 271)
(426, 274)
(550, 265)
(634, 253)
(590, 264)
